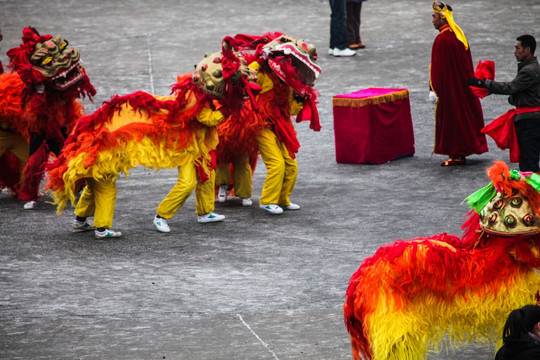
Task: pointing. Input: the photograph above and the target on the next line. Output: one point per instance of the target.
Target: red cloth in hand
(485, 70)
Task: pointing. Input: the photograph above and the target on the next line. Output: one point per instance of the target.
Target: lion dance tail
(353, 322)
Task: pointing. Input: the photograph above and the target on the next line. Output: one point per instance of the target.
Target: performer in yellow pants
(98, 200)
(242, 174)
(280, 166)
(188, 179)
(281, 170)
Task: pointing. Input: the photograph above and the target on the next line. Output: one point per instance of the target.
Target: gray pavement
(255, 286)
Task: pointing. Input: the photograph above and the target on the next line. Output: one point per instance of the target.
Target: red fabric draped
(309, 113)
(458, 115)
(503, 131)
(372, 126)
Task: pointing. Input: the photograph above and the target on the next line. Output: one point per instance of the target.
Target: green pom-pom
(481, 198)
(534, 181)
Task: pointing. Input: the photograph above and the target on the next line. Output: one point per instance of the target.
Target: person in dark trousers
(354, 20)
(338, 30)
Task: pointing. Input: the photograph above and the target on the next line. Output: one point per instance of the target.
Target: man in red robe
(458, 113)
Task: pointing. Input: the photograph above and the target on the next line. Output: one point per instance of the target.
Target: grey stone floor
(255, 286)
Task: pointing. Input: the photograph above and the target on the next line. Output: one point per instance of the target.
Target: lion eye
(63, 45)
(47, 60)
(217, 74)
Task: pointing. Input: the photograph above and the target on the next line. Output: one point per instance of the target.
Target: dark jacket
(524, 90)
(521, 349)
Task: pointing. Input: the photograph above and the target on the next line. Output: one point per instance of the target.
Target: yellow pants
(188, 180)
(281, 170)
(98, 200)
(241, 176)
(17, 145)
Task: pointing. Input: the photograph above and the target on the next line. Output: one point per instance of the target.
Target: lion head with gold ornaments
(225, 76)
(510, 205)
(213, 77)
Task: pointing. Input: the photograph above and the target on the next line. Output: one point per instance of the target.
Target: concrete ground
(255, 286)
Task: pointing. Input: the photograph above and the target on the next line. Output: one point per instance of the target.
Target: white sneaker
(247, 202)
(211, 217)
(344, 52)
(222, 193)
(107, 233)
(30, 205)
(272, 208)
(292, 206)
(330, 51)
(161, 224)
(80, 226)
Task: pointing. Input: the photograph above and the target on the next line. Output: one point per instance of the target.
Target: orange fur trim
(11, 108)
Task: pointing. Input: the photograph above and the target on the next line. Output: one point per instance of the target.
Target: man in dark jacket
(524, 93)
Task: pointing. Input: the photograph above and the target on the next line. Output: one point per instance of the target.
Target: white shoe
(161, 224)
(272, 208)
(30, 205)
(330, 51)
(222, 193)
(211, 217)
(343, 52)
(247, 202)
(292, 206)
(107, 233)
(80, 226)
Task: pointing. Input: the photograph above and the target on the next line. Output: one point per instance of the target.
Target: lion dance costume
(38, 108)
(286, 71)
(418, 294)
(142, 129)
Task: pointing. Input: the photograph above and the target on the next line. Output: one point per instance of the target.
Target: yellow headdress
(446, 13)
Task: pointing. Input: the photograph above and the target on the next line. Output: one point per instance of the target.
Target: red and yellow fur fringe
(139, 129)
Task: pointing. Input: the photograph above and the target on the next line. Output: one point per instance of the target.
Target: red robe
(458, 114)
